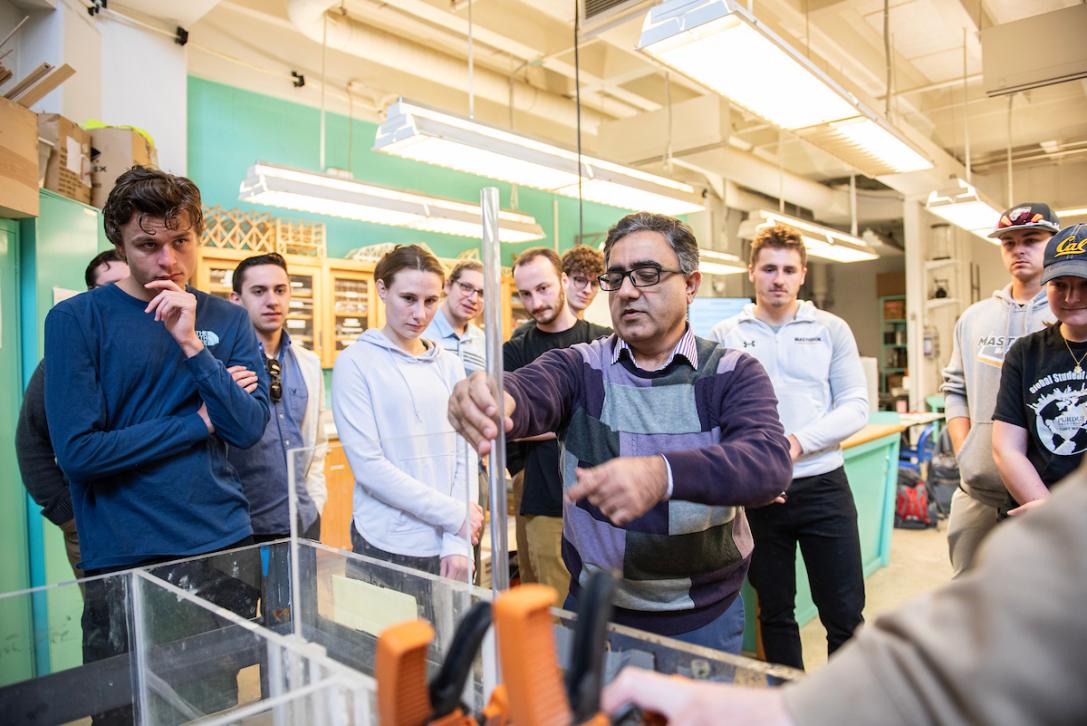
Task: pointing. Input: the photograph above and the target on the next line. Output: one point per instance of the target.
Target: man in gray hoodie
(983, 334)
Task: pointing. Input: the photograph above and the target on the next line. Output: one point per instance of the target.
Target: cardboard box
(894, 309)
(890, 283)
(116, 150)
(68, 170)
(18, 161)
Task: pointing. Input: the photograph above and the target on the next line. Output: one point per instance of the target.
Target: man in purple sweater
(663, 437)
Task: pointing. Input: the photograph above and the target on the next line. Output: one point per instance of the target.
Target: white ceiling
(531, 43)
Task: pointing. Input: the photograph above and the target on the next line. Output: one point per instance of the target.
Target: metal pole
(492, 315)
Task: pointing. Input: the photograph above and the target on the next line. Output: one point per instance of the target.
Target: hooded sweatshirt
(983, 335)
(413, 475)
(816, 370)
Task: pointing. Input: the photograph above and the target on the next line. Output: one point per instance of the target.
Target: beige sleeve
(1005, 644)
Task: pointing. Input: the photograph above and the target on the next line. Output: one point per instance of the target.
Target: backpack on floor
(943, 475)
(913, 507)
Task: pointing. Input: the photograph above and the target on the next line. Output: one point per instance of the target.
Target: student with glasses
(664, 437)
(581, 268)
(452, 326)
(582, 265)
(296, 389)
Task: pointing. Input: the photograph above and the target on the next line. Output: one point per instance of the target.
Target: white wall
(64, 35)
(157, 101)
(125, 75)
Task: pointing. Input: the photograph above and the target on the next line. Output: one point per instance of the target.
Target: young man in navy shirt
(141, 404)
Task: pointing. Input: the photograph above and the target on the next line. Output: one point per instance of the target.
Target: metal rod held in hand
(496, 471)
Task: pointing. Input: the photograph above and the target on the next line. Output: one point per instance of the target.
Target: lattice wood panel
(237, 229)
(294, 237)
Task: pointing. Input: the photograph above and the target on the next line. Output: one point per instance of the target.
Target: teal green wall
(229, 129)
(54, 251)
(16, 644)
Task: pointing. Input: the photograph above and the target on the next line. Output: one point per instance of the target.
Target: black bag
(943, 475)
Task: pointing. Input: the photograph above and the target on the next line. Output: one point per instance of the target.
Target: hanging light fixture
(819, 240)
(721, 45)
(424, 134)
(961, 205)
(326, 194)
(711, 262)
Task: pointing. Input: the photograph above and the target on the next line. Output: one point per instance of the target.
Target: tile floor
(918, 564)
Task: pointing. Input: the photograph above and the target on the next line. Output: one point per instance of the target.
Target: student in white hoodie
(812, 360)
(415, 480)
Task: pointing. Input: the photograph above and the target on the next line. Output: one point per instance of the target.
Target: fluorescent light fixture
(720, 44)
(424, 134)
(1076, 212)
(306, 191)
(711, 262)
(961, 205)
(822, 241)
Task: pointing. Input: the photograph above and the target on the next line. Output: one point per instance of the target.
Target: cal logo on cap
(1071, 246)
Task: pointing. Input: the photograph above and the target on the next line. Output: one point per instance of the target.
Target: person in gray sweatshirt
(983, 335)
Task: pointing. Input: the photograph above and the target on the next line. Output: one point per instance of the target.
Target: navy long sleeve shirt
(147, 480)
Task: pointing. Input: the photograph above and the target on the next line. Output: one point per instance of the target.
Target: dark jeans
(312, 533)
(107, 603)
(820, 516)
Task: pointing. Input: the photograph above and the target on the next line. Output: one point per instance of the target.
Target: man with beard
(540, 282)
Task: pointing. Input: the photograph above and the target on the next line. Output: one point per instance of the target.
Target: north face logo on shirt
(208, 337)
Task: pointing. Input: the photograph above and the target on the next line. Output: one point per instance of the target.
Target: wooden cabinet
(352, 306)
(332, 301)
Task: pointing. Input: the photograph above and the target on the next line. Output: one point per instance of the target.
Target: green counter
(871, 463)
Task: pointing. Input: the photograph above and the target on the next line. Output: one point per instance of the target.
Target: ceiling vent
(598, 15)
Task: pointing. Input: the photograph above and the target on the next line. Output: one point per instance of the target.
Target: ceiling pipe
(349, 36)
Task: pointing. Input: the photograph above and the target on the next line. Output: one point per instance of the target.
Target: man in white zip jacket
(812, 360)
(983, 334)
(297, 395)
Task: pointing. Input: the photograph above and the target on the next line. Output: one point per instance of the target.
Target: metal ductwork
(350, 36)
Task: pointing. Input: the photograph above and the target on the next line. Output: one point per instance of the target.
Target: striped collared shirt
(686, 347)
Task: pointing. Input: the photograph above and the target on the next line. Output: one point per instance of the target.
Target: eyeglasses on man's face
(469, 291)
(580, 281)
(640, 276)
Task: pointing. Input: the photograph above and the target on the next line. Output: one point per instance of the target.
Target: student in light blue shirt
(452, 327)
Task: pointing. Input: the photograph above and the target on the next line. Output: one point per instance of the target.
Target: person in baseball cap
(1039, 434)
(1066, 254)
(1029, 215)
(983, 336)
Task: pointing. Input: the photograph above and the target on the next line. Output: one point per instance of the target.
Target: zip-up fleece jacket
(983, 335)
(414, 476)
(813, 363)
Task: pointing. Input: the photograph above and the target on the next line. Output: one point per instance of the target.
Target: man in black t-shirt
(540, 282)
(1040, 421)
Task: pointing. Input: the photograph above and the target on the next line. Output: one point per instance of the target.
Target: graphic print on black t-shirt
(1042, 392)
(1059, 403)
